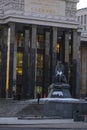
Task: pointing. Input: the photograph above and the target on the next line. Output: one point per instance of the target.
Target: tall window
(19, 63)
(19, 55)
(78, 18)
(82, 19)
(40, 56)
(40, 39)
(20, 40)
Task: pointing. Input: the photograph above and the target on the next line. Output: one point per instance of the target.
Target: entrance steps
(53, 109)
(32, 110)
(17, 108)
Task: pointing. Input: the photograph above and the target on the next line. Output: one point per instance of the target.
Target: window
(85, 28)
(20, 40)
(40, 41)
(84, 19)
(78, 18)
(39, 61)
(19, 63)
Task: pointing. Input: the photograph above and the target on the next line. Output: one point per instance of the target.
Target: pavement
(42, 123)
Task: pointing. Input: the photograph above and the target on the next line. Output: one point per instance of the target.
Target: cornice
(76, 1)
(65, 23)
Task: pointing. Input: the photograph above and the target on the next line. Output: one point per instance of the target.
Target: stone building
(34, 35)
(82, 18)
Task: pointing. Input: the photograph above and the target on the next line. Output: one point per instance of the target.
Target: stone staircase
(17, 108)
(32, 110)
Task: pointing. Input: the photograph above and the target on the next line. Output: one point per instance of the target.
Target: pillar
(76, 63)
(14, 66)
(53, 54)
(66, 54)
(78, 82)
(47, 63)
(4, 62)
(25, 85)
(12, 80)
(33, 50)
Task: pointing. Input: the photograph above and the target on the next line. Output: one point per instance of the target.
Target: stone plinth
(64, 108)
(59, 90)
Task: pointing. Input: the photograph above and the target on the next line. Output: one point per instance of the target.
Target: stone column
(12, 66)
(76, 63)
(4, 62)
(33, 50)
(78, 82)
(25, 81)
(66, 53)
(53, 50)
(47, 63)
(67, 47)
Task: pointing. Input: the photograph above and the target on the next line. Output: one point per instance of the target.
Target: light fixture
(57, 47)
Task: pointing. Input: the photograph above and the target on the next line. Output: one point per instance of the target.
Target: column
(66, 53)
(33, 50)
(53, 50)
(25, 85)
(76, 63)
(78, 82)
(12, 68)
(47, 63)
(4, 62)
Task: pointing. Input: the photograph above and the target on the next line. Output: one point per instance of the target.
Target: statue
(59, 88)
(59, 73)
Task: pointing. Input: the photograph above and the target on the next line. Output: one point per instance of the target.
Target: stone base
(59, 90)
(65, 108)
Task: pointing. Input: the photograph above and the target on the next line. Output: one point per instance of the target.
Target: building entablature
(46, 11)
(55, 21)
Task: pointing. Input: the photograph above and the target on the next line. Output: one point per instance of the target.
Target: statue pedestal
(59, 90)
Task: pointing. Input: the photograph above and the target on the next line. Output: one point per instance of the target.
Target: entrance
(39, 74)
(19, 65)
(40, 60)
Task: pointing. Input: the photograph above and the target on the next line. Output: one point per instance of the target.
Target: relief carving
(70, 9)
(17, 5)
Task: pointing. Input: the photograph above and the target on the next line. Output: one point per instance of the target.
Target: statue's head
(58, 62)
(59, 72)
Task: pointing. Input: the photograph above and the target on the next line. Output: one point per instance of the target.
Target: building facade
(34, 35)
(82, 19)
